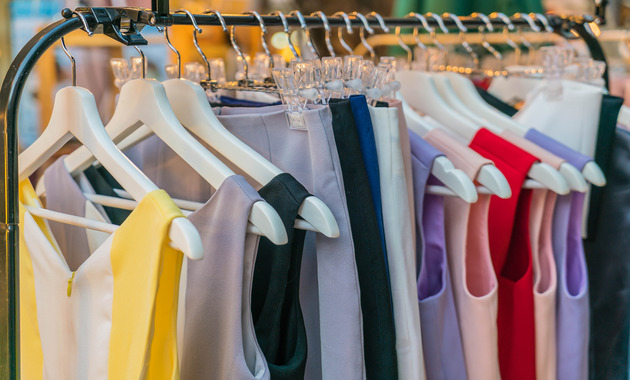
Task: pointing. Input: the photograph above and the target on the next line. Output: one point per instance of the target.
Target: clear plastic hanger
(75, 114)
(145, 102)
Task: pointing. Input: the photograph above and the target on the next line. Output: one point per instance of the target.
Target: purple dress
(572, 313)
(441, 338)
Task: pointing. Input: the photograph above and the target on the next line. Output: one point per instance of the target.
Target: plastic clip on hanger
(75, 114)
(150, 96)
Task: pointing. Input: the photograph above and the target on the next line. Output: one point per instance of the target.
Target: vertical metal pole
(160, 7)
(10, 94)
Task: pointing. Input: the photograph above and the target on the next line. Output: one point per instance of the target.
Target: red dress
(508, 224)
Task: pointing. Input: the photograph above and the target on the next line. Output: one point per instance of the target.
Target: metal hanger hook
(439, 21)
(543, 19)
(239, 52)
(530, 21)
(263, 31)
(482, 31)
(362, 30)
(506, 20)
(404, 45)
(307, 31)
(196, 30)
(85, 23)
(324, 19)
(423, 20)
(287, 31)
(219, 16)
(485, 20)
(72, 61)
(170, 45)
(346, 19)
(144, 61)
(462, 35)
(380, 20)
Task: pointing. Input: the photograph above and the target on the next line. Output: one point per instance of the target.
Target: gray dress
(329, 288)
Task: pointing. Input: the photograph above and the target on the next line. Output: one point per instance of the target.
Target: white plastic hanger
(489, 175)
(444, 82)
(191, 107)
(144, 102)
(421, 93)
(75, 114)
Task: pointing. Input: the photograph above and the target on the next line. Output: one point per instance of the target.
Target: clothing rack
(125, 26)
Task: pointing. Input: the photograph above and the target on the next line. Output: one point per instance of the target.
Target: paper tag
(296, 121)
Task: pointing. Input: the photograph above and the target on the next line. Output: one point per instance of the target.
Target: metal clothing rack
(124, 25)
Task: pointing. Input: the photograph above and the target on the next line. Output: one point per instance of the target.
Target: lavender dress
(441, 338)
(572, 313)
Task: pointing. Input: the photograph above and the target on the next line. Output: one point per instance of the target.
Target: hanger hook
(307, 31)
(484, 19)
(439, 21)
(85, 23)
(287, 31)
(170, 45)
(346, 19)
(482, 31)
(362, 30)
(462, 35)
(196, 30)
(456, 20)
(329, 46)
(530, 21)
(219, 16)
(543, 19)
(404, 45)
(72, 61)
(506, 20)
(144, 61)
(263, 31)
(380, 20)
(239, 52)
(506, 33)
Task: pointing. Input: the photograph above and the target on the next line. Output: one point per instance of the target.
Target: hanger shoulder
(421, 93)
(492, 178)
(192, 109)
(454, 179)
(594, 174)
(549, 177)
(467, 93)
(264, 217)
(574, 177)
(319, 216)
(73, 107)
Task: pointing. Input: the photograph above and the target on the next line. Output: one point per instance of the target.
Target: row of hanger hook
(509, 26)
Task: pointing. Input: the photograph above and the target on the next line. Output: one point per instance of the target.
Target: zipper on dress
(70, 284)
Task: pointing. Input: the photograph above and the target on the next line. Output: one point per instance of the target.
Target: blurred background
(22, 19)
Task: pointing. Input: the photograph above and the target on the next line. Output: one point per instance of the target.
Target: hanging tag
(296, 121)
